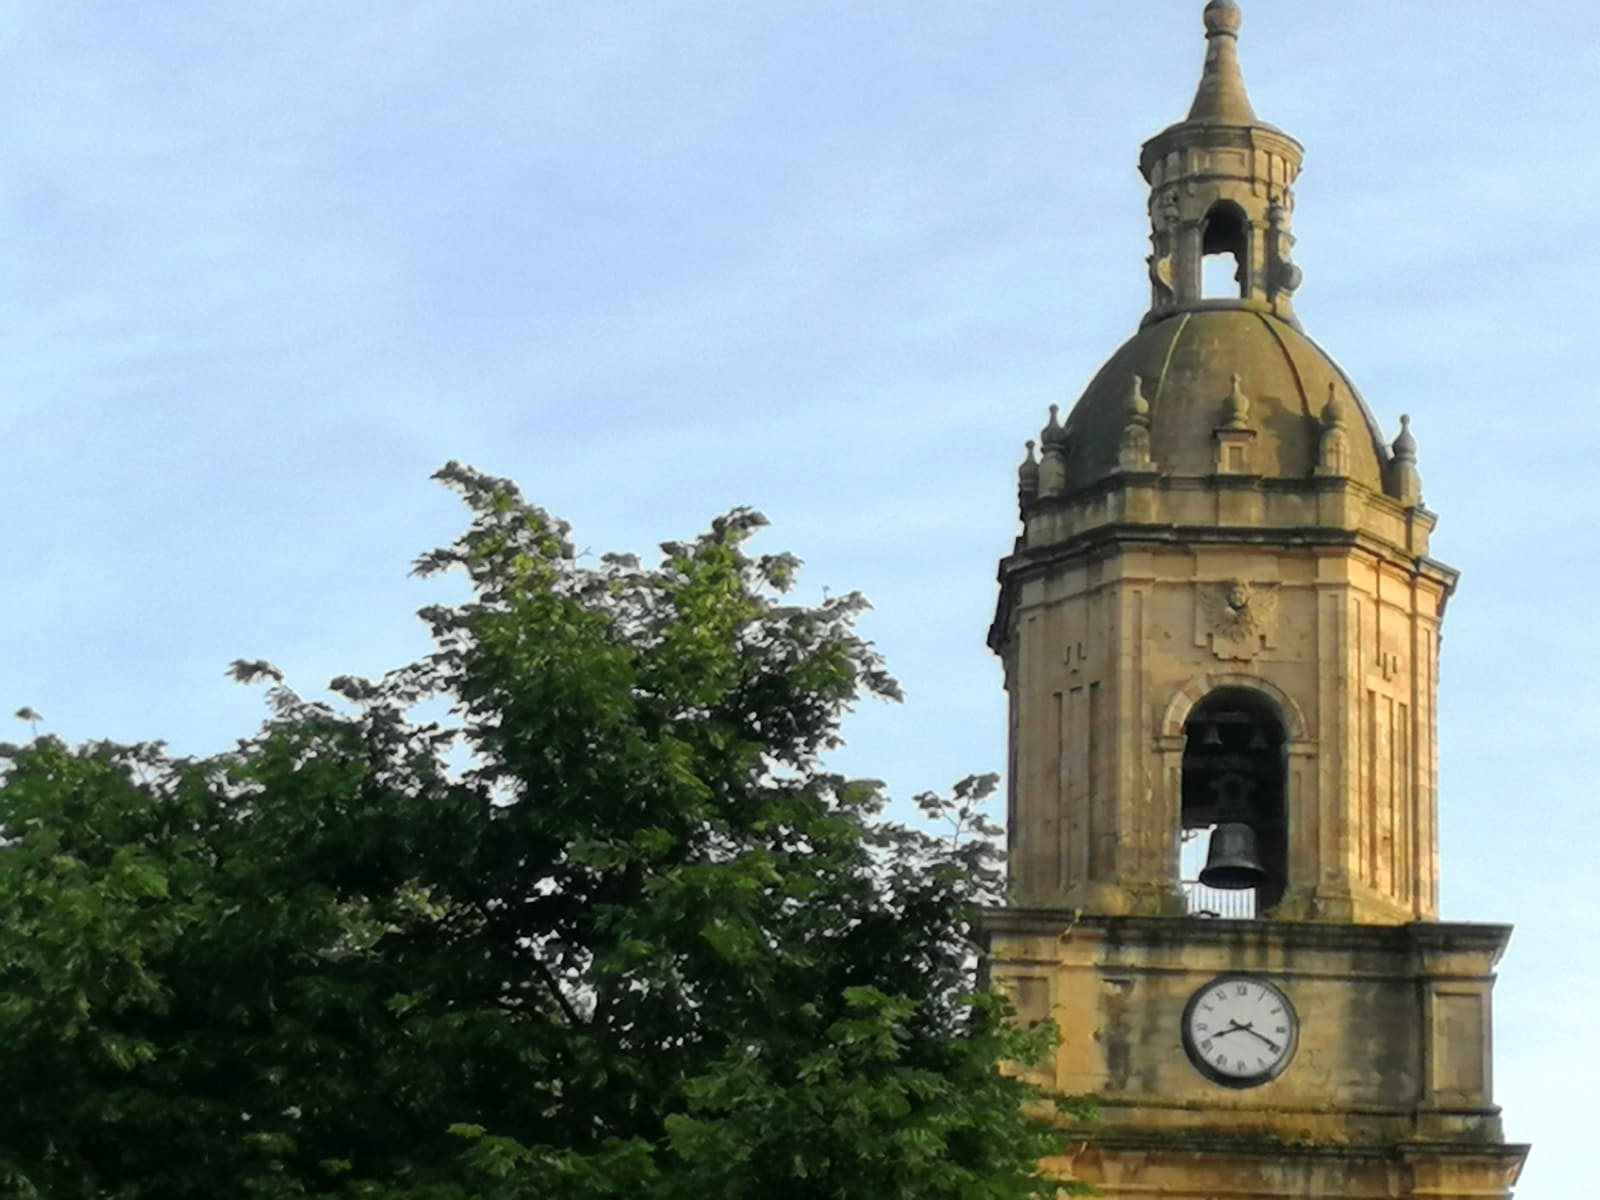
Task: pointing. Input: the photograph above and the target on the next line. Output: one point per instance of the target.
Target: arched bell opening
(1224, 250)
(1234, 854)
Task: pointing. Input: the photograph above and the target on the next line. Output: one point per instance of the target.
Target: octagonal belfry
(1221, 513)
(1220, 630)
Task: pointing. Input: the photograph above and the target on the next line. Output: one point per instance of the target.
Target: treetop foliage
(612, 929)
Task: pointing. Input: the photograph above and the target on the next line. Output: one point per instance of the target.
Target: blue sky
(263, 267)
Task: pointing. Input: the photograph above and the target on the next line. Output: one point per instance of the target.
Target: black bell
(1232, 862)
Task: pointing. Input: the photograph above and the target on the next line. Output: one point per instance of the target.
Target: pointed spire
(1138, 406)
(1053, 434)
(1134, 454)
(1221, 99)
(1404, 483)
(1028, 477)
(1053, 456)
(1405, 446)
(1235, 437)
(1333, 449)
(1332, 411)
(1236, 409)
(1030, 465)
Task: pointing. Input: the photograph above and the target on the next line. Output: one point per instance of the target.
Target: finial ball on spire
(1223, 16)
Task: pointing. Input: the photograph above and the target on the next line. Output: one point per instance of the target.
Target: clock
(1240, 1031)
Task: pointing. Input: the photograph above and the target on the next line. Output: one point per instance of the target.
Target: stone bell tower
(1220, 632)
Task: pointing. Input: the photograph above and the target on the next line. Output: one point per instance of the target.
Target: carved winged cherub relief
(1237, 620)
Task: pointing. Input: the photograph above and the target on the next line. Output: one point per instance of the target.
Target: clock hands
(1247, 1027)
(1232, 1005)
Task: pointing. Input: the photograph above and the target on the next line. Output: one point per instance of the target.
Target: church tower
(1220, 631)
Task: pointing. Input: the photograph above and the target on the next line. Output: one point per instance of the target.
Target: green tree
(611, 932)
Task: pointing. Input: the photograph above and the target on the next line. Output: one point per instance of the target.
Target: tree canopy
(608, 930)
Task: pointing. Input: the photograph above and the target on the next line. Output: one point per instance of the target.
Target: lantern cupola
(1221, 184)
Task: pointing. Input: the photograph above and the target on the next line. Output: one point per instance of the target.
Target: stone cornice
(1209, 1144)
(1197, 135)
(1150, 499)
(1427, 937)
(1100, 541)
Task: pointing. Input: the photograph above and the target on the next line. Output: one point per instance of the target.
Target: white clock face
(1239, 1031)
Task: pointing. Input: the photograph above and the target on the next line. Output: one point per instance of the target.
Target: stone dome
(1187, 363)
